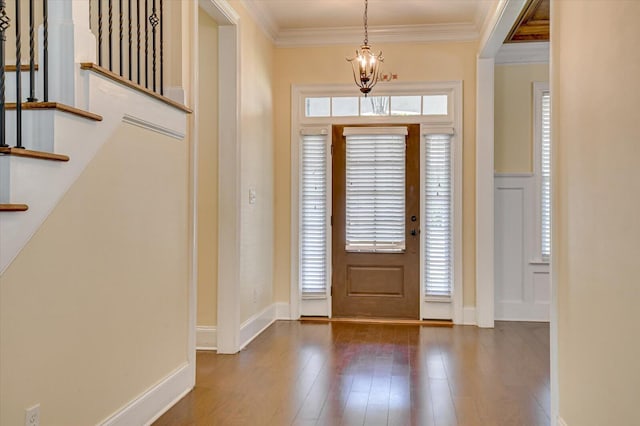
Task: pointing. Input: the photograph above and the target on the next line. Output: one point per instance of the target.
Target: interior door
(376, 275)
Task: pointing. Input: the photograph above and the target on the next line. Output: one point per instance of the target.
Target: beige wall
(207, 112)
(513, 149)
(595, 128)
(93, 311)
(257, 162)
(412, 62)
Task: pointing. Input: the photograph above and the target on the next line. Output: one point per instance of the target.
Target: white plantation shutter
(375, 189)
(438, 216)
(313, 220)
(545, 176)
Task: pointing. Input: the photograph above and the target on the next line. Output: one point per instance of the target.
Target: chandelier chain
(366, 26)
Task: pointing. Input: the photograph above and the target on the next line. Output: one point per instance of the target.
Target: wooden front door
(374, 277)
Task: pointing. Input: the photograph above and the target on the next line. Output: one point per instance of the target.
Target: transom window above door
(377, 106)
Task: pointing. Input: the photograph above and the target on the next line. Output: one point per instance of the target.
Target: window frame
(437, 308)
(539, 89)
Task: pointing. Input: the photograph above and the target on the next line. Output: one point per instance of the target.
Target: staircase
(48, 143)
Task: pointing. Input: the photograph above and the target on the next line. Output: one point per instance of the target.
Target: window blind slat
(375, 189)
(438, 267)
(313, 220)
(545, 175)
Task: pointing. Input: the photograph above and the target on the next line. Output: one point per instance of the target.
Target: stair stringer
(42, 184)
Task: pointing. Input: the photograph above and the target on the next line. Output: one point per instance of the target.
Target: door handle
(413, 232)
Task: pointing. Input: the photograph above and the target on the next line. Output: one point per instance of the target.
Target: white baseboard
(149, 406)
(561, 422)
(251, 328)
(206, 338)
(283, 311)
(469, 315)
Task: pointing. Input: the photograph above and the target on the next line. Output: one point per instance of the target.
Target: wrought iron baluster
(5, 22)
(100, 32)
(45, 50)
(32, 55)
(138, 34)
(146, 44)
(110, 35)
(18, 78)
(153, 19)
(161, 50)
(121, 36)
(130, 44)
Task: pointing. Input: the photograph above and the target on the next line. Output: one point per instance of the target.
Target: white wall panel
(523, 287)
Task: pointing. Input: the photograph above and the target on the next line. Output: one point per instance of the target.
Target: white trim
(127, 118)
(154, 402)
(229, 173)
(523, 53)
(561, 422)
(499, 25)
(387, 34)
(193, 198)
(512, 175)
(294, 37)
(256, 324)
(221, 11)
(206, 338)
(484, 192)
(469, 315)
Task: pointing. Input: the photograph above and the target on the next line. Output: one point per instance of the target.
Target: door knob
(413, 232)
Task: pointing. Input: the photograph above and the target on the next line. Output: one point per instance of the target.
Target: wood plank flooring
(375, 374)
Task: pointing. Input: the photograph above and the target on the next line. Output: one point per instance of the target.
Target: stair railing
(5, 24)
(133, 45)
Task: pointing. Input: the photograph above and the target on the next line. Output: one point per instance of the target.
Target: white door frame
(229, 169)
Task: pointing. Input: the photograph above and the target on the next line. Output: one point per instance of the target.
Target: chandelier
(366, 65)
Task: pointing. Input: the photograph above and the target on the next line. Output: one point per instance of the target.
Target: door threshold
(387, 321)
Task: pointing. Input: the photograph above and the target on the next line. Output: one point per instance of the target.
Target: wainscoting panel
(522, 287)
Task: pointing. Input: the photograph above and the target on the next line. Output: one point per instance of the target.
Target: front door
(376, 221)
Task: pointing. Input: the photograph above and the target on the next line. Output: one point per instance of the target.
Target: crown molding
(388, 34)
(261, 16)
(523, 53)
(298, 37)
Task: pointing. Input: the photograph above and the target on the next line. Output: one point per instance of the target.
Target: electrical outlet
(32, 417)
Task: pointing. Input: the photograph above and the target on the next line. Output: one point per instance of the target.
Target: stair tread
(21, 152)
(13, 207)
(57, 106)
(23, 67)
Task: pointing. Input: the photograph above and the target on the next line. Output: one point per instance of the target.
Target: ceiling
(532, 24)
(341, 21)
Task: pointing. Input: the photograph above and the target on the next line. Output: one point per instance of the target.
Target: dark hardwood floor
(375, 374)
